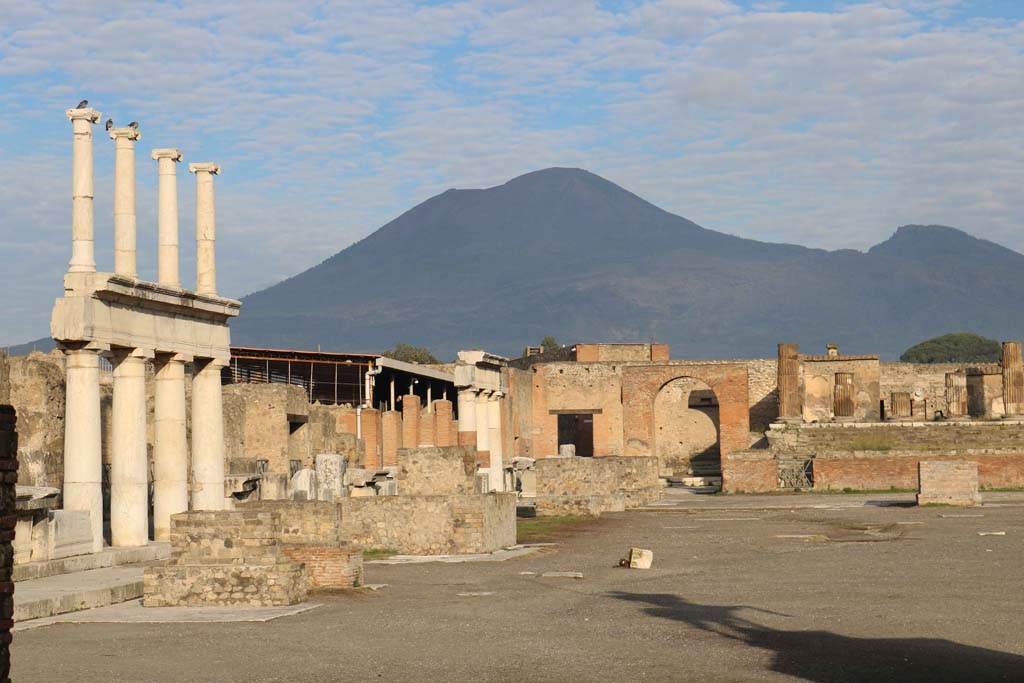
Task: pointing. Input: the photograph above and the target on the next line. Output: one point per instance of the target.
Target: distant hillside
(567, 253)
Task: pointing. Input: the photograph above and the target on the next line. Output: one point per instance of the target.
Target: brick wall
(333, 567)
(899, 469)
(749, 471)
(431, 525)
(8, 477)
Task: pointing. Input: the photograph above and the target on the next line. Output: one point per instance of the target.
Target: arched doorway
(686, 428)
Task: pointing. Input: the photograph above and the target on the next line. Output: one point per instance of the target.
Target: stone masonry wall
(564, 483)
(436, 471)
(431, 525)
(913, 436)
(865, 470)
(948, 483)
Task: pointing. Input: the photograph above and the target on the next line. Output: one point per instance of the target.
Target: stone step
(52, 595)
(108, 557)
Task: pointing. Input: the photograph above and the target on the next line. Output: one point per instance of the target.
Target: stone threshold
(132, 612)
(52, 595)
(496, 556)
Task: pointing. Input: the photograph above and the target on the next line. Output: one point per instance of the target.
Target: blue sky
(819, 123)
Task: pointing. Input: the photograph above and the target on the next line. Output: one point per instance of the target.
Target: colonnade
(480, 425)
(129, 469)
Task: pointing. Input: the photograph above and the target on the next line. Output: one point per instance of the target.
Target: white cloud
(823, 128)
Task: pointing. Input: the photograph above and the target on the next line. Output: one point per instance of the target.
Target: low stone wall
(948, 483)
(225, 559)
(749, 471)
(906, 436)
(310, 533)
(431, 525)
(565, 483)
(870, 470)
(431, 471)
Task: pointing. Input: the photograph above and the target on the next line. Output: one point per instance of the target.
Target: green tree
(411, 354)
(549, 344)
(961, 347)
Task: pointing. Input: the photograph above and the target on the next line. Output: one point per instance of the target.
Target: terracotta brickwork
(444, 427)
(391, 437)
(749, 471)
(332, 567)
(426, 429)
(411, 408)
(899, 469)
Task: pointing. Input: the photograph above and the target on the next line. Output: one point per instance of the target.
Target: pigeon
(110, 123)
(134, 125)
(83, 104)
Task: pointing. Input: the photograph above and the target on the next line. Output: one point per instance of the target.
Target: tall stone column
(206, 262)
(483, 429)
(494, 441)
(167, 216)
(129, 471)
(207, 437)
(170, 444)
(467, 417)
(788, 374)
(1013, 380)
(82, 255)
(124, 200)
(83, 461)
(956, 394)
(411, 420)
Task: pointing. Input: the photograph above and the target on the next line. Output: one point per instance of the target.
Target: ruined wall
(749, 471)
(819, 381)
(37, 394)
(430, 471)
(881, 470)
(257, 425)
(823, 438)
(519, 413)
(590, 353)
(431, 525)
(633, 479)
(582, 388)
(683, 430)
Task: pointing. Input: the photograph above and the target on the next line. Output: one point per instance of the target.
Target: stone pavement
(37, 598)
(680, 498)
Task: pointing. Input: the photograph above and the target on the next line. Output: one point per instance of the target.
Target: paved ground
(850, 594)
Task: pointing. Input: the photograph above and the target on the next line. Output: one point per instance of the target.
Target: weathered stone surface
(640, 558)
(595, 485)
(430, 471)
(948, 483)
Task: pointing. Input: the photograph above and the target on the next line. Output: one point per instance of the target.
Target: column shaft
(788, 374)
(124, 200)
(129, 470)
(206, 263)
(83, 463)
(82, 253)
(1013, 379)
(483, 430)
(207, 438)
(170, 446)
(167, 216)
(467, 417)
(494, 441)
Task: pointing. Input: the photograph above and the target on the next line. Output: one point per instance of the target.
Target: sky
(820, 123)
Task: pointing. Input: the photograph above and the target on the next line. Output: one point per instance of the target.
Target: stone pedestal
(948, 482)
(83, 463)
(170, 445)
(129, 470)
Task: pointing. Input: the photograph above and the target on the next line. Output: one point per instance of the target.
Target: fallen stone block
(562, 575)
(640, 558)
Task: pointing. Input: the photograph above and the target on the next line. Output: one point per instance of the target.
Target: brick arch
(640, 387)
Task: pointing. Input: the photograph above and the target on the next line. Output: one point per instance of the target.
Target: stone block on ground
(330, 475)
(948, 482)
(640, 558)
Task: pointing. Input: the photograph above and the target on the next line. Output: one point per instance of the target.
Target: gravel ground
(859, 594)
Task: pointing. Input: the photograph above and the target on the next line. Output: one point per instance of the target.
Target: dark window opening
(577, 430)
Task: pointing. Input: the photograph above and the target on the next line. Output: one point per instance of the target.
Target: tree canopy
(549, 343)
(961, 347)
(411, 354)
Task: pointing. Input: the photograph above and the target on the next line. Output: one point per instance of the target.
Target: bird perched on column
(110, 123)
(83, 104)
(134, 125)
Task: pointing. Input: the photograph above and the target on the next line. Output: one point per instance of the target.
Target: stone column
(207, 436)
(956, 394)
(124, 200)
(494, 441)
(1013, 380)
(391, 437)
(82, 255)
(170, 444)
(411, 420)
(206, 262)
(788, 374)
(83, 461)
(483, 430)
(843, 395)
(467, 417)
(167, 216)
(129, 471)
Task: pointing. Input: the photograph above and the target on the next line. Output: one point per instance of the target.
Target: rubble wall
(564, 483)
(430, 471)
(431, 525)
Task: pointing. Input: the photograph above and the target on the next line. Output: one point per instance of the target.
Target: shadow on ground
(829, 657)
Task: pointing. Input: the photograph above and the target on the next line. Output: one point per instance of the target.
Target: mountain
(568, 253)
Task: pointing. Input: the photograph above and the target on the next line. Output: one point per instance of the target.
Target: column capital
(204, 167)
(173, 357)
(211, 362)
(87, 114)
(119, 354)
(167, 153)
(127, 133)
